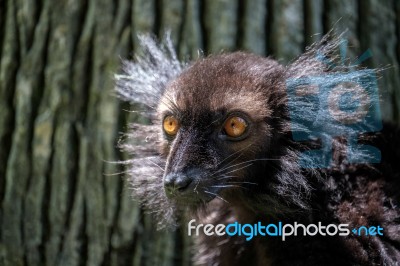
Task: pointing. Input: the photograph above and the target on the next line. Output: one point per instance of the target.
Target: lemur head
(219, 130)
(218, 127)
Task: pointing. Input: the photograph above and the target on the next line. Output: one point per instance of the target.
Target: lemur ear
(143, 80)
(329, 97)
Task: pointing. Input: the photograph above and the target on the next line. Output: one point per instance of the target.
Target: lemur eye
(170, 125)
(235, 126)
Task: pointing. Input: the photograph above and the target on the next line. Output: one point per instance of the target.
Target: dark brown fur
(259, 178)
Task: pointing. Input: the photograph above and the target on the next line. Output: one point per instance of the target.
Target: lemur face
(216, 123)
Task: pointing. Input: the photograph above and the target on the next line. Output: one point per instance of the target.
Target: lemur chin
(219, 148)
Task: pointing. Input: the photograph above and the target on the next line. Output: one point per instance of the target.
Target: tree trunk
(61, 200)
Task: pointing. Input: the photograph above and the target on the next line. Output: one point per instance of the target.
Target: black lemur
(220, 149)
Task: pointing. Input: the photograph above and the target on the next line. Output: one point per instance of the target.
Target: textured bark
(61, 201)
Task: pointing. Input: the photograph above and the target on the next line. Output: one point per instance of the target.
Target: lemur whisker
(216, 195)
(229, 186)
(117, 173)
(253, 160)
(216, 120)
(233, 155)
(240, 168)
(195, 188)
(226, 177)
(244, 182)
(162, 169)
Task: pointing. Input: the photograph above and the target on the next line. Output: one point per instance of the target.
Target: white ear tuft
(143, 80)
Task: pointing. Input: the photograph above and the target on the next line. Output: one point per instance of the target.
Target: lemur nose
(176, 183)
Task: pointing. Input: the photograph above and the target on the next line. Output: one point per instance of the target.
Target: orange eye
(235, 126)
(170, 125)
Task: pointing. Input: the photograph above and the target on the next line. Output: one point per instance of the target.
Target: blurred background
(60, 203)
